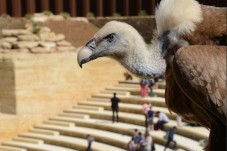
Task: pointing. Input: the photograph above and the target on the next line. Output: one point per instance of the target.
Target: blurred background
(19, 8)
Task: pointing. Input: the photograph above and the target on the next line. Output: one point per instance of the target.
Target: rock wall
(34, 87)
(33, 38)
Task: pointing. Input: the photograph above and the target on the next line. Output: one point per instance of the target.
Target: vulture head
(123, 43)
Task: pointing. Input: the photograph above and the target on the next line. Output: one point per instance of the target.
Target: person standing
(170, 135)
(114, 105)
(179, 120)
(131, 145)
(150, 115)
(146, 107)
(143, 88)
(148, 142)
(90, 139)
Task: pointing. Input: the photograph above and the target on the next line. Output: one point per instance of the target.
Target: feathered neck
(144, 60)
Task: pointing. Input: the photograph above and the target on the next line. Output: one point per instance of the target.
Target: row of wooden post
(58, 8)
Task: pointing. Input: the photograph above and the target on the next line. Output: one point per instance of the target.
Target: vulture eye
(110, 37)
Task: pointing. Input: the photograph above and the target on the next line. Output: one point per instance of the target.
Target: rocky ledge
(33, 39)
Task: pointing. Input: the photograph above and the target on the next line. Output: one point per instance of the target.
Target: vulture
(189, 47)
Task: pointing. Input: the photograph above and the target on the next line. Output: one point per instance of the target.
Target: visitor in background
(143, 88)
(162, 119)
(147, 145)
(90, 139)
(179, 120)
(150, 86)
(150, 115)
(131, 145)
(146, 108)
(169, 138)
(139, 140)
(114, 105)
(136, 132)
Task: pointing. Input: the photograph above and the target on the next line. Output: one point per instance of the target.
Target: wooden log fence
(19, 8)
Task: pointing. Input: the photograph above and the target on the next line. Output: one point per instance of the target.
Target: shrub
(47, 13)
(90, 14)
(36, 27)
(65, 15)
(142, 13)
(117, 14)
(28, 16)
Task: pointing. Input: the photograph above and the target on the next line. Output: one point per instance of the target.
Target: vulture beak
(85, 54)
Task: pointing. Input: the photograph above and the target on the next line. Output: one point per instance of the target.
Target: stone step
(136, 90)
(139, 120)
(157, 92)
(93, 108)
(129, 82)
(82, 116)
(161, 84)
(28, 140)
(66, 124)
(155, 101)
(127, 129)
(117, 92)
(127, 107)
(46, 132)
(37, 147)
(101, 136)
(71, 142)
(11, 148)
(127, 85)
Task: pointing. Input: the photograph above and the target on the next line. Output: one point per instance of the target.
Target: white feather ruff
(180, 16)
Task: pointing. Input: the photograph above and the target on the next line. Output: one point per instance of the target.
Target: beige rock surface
(63, 43)
(42, 50)
(65, 48)
(44, 30)
(37, 86)
(5, 45)
(28, 38)
(9, 39)
(26, 44)
(15, 32)
(51, 37)
(47, 44)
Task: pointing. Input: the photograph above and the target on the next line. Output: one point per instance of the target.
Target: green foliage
(47, 13)
(5, 15)
(142, 13)
(36, 27)
(117, 14)
(65, 15)
(90, 14)
(28, 16)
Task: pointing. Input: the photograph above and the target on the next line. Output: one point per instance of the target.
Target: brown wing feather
(214, 25)
(200, 72)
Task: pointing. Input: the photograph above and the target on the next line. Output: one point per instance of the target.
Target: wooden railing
(18, 8)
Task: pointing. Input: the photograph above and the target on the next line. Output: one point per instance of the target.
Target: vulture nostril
(91, 44)
(92, 47)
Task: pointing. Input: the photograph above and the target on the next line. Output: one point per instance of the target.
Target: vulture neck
(144, 60)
